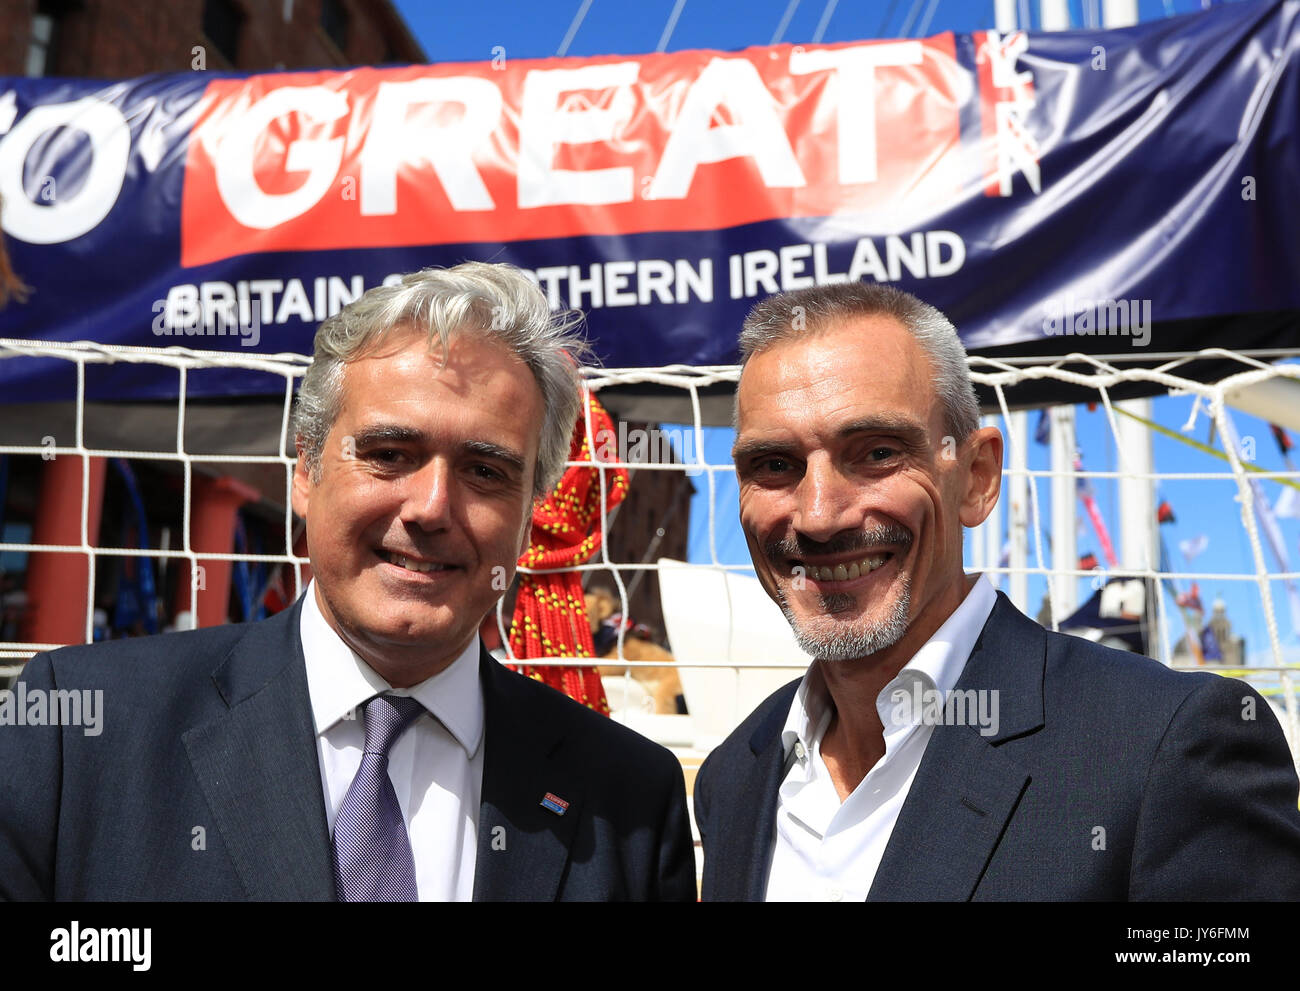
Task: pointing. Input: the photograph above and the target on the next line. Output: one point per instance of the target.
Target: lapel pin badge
(554, 803)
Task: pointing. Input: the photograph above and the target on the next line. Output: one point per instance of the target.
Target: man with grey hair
(362, 745)
(942, 746)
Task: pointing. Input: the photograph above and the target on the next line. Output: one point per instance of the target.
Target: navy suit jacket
(1110, 777)
(205, 784)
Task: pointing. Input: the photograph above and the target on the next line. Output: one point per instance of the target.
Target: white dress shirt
(828, 850)
(436, 765)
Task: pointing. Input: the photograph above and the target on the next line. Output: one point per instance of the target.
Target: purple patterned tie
(372, 853)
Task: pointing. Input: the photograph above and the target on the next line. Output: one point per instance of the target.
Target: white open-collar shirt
(436, 765)
(828, 850)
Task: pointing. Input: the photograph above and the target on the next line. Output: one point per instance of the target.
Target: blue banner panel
(1080, 191)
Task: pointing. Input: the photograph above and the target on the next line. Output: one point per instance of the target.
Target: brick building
(114, 39)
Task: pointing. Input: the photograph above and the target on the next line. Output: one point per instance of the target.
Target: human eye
(489, 476)
(487, 473)
(774, 464)
(385, 458)
(770, 468)
(875, 454)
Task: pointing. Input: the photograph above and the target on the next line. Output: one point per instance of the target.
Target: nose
(427, 499)
(827, 502)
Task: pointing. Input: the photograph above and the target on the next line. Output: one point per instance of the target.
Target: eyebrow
(496, 451)
(396, 434)
(905, 428)
(388, 434)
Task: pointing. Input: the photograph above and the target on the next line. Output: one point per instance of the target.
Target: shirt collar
(339, 681)
(938, 664)
(810, 712)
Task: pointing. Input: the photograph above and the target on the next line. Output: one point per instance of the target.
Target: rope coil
(550, 617)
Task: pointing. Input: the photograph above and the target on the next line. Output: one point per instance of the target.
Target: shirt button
(799, 750)
(834, 895)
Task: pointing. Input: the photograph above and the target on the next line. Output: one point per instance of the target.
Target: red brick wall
(15, 25)
(115, 39)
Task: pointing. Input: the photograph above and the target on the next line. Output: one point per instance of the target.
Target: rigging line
(573, 27)
(912, 12)
(889, 16)
(827, 13)
(786, 18)
(672, 23)
(929, 16)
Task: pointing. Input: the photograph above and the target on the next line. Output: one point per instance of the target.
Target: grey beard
(847, 644)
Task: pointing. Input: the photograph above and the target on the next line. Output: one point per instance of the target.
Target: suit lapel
(258, 768)
(743, 856)
(960, 801)
(523, 847)
(966, 790)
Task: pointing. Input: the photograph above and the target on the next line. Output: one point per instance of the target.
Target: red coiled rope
(550, 615)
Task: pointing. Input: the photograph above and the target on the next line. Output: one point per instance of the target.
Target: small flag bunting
(1190, 599)
(1210, 647)
(1287, 505)
(1284, 442)
(1043, 432)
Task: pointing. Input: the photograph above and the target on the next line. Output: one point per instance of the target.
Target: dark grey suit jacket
(1110, 777)
(205, 784)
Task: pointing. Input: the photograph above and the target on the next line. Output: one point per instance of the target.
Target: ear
(301, 482)
(983, 481)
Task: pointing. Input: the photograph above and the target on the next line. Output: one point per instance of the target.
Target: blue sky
(469, 32)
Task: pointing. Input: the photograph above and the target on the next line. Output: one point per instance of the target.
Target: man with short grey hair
(362, 745)
(942, 746)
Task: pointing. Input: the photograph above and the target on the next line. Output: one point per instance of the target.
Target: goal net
(1162, 525)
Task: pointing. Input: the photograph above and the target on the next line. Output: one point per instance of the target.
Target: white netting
(737, 644)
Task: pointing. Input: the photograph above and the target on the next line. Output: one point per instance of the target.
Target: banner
(1081, 191)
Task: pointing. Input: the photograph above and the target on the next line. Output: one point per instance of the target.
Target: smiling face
(423, 501)
(851, 498)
